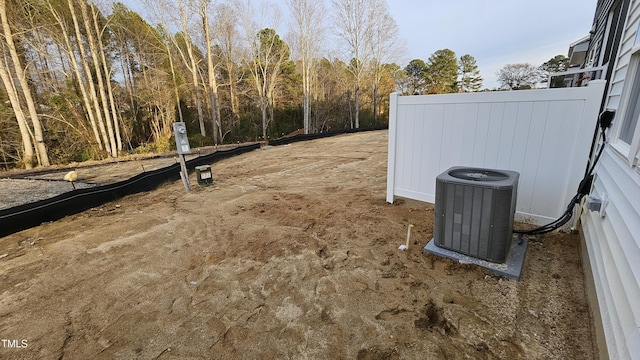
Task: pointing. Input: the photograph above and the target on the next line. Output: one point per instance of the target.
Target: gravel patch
(26, 186)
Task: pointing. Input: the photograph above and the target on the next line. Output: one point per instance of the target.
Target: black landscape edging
(24, 216)
(219, 155)
(305, 137)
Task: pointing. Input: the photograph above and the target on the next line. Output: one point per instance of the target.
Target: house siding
(613, 246)
(624, 55)
(600, 27)
(613, 241)
(606, 32)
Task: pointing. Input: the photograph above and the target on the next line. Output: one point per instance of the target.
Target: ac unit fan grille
(477, 175)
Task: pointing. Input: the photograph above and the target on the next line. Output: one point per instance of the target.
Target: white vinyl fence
(545, 135)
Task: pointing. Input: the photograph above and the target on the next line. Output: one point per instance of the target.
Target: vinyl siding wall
(613, 241)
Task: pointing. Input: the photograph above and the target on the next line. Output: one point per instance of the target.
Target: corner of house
(597, 328)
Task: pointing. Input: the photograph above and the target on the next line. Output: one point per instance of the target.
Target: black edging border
(25, 216)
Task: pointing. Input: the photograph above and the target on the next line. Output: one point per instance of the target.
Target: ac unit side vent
(474, 211)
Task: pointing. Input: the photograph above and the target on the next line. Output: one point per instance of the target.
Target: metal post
(184, 174)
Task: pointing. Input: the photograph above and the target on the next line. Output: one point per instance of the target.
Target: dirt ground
(291, 254)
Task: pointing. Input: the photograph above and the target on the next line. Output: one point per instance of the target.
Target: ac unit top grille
(480, 177)
(478, 174)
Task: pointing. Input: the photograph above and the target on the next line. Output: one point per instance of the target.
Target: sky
(494, 32)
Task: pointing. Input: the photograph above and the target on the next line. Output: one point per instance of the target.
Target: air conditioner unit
(474, 210)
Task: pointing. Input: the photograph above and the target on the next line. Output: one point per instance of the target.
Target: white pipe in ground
(405, 246)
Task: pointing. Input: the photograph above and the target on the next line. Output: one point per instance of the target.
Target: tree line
(86, 80)
(442, 73)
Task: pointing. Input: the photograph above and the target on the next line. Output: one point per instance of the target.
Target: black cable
(583, 188)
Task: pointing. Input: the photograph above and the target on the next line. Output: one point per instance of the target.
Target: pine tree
(556, 64)
(470, 79)
(442, 72)
(415, 71)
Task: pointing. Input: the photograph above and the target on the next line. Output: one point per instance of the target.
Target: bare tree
(68, 48)
(167, 43)
(107, 74)
(385, 43)
(267, 54)
(228, 41)
(89, 76)
(150, 75)
(117, 77)
(211, 70)
(14, 99)
(518, 76)
(271, 52)
(178, 15)
(96, 49)
(41, 149)
(308, 28)
(354, 25)
(162, 119)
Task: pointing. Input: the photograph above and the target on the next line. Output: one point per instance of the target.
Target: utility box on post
(204, 175)
(182, 144)
(182, 141)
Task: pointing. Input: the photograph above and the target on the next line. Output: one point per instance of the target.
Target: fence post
(391, 154)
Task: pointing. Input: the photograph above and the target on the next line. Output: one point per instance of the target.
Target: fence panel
(545, 135)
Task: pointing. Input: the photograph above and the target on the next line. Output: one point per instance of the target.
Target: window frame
(629, 151)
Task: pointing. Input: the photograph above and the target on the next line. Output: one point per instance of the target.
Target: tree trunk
(309, 29)
(227, 15)
(213, 85)
(270, 114)
(76, 71)
(45, 73)
(350, 110)
(261, 88)
(125, 63)
(92, 89)
(175, 83)
(357, 106)
(272, 81)
(20, 117)
(375, 102)
(93, 45)
(235, 107)
(41, 148)
(107, 73)
(215, 112)
(306, 94)
(196, 85)
(233, 89)
(263, 106)
(307, 121)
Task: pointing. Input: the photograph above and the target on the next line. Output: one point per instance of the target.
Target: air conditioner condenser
(474, 211)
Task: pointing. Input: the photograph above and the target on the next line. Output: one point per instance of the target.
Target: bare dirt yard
(291, 254)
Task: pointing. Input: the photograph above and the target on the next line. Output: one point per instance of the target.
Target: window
(627, 138)
(591, 58)
(632, 112)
